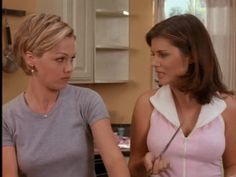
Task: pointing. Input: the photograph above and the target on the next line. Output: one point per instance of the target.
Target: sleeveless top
(197, 155)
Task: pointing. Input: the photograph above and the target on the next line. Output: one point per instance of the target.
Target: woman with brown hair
(187, 127)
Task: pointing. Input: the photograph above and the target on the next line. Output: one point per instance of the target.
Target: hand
(155, 165)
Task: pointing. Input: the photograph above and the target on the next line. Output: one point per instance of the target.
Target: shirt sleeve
(7, 133)
(96, 108)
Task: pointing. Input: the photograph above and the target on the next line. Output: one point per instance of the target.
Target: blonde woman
(50, 128)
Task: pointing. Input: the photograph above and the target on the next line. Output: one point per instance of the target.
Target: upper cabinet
(102, 31)
(112, 41)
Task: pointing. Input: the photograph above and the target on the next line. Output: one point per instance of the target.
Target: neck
(40, 100)
(183, 99)
(187, 107)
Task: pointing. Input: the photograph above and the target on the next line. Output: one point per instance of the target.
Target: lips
(65, 78)
(160, 75)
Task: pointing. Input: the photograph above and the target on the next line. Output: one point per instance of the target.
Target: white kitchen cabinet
(112, 41)
(101, 27)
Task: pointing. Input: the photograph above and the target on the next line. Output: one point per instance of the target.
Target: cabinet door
(112, 41)
(80, 15)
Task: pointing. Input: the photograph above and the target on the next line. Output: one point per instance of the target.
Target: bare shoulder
(144, 98)
(143, 107)
(230, 111)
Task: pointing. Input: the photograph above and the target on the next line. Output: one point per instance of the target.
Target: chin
(161, 82)
(165, 81)
(59, 87)
(63, 86)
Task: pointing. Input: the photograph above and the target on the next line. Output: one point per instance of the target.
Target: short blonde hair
(38, 34)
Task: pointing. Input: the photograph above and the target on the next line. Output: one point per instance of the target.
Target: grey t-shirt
(59, 145)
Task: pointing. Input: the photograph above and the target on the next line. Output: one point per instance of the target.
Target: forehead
(161, 43)
(66, 44)
(66, 47)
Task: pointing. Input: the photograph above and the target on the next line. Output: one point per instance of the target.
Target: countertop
(125, 152)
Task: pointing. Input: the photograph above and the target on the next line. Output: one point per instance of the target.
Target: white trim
(164, 103)
(222, 121)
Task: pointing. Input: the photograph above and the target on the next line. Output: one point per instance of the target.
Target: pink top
(199, 154)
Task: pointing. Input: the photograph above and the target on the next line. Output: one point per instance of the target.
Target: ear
(29, 58)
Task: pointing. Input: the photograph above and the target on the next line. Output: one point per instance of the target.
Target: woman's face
(54, 67)
(168, 61)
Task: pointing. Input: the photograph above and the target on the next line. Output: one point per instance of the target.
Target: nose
(155, 61)
(69, 66)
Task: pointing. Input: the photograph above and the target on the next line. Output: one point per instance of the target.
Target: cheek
(50, 68)
(47, 72)
(183, 68)
(178, 68)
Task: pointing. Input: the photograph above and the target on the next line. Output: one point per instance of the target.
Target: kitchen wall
(119, 98)
(13, 84)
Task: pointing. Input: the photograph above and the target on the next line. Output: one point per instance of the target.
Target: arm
(107, 146)
(140, 126)
(9, 162)
(229, 157)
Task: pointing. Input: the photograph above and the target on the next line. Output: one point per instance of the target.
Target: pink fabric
(198, 155)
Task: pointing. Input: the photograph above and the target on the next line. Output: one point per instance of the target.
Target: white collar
(164, 103)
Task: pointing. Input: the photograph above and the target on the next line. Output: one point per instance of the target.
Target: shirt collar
(164, 103)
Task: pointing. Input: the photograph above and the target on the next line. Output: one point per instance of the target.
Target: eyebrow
(160, 50)
(66, 54)
(62, 53)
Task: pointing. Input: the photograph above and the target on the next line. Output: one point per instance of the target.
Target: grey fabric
(60, 145)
